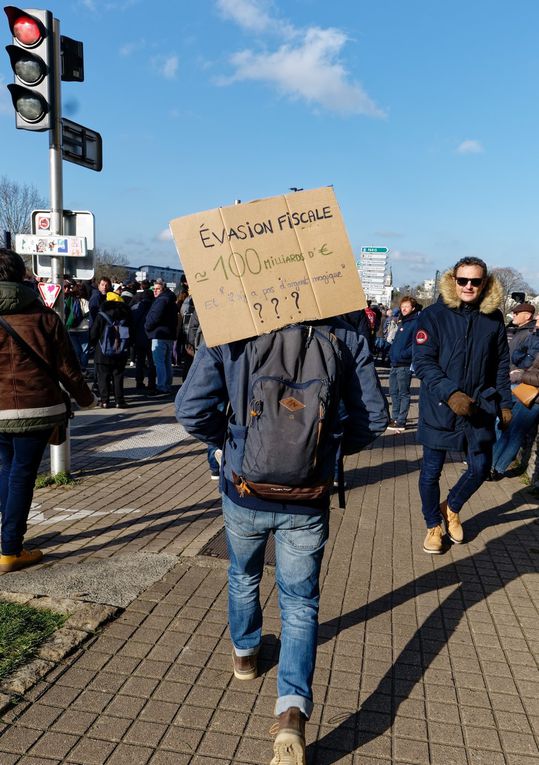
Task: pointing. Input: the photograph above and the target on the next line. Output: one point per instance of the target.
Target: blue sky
(423, 115)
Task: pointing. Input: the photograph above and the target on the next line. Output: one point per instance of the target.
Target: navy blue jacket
(139, 307)
(461, 347)
(220, 376)
(162, 319)
(526, 353)
(400, 353)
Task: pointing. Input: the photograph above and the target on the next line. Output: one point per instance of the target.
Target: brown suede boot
(245, 667)
(15, 562)
(289, 744)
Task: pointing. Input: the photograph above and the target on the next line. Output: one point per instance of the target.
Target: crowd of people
(277, 414)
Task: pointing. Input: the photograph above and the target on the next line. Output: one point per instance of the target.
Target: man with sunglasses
(461, 357)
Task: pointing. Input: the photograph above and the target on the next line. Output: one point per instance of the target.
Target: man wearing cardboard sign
(275, 405)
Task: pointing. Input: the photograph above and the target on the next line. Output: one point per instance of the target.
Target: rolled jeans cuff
(245, 651)
(285, 702)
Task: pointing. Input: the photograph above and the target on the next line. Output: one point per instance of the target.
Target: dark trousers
(20, 455)
(144, 358)
(111, 376)
(429, 481)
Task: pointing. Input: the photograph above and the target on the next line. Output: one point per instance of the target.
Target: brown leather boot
(245, 667)
(289, 744)
(15, 562)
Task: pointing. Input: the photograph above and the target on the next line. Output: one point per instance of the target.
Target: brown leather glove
(506, 415)
(461, 404)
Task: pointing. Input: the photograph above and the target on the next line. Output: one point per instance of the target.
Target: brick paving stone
(145, 733)
(181, 739)
(109, 728)
(218, 744)
(126, 754)
(19, 739)
(74, 721)
(92, 701)
(169, 758)
(441, 754)
(54, 744)
(39, 716)
(90, 752)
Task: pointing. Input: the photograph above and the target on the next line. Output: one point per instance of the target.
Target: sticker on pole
(49, 244)
(49, 293)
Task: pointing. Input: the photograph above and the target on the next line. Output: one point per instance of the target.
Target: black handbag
(59, 433)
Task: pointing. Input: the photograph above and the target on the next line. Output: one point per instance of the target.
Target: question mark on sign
(258, 307)
(295, 295)
(275, 302)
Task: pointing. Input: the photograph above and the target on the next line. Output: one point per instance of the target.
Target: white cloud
(127, 49)
(310, 71)
(470, 147)
(249, 14)
(167, 66)
(306, 66)
(165, 235)
(416, 261)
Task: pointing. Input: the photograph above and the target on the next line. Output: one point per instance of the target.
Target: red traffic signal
(32, 60)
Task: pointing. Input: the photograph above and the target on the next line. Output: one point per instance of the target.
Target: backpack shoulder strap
(106, 317)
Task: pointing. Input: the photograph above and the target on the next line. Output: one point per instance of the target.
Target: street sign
(375, 249)
(81, 145)
(75, 223)
(49, 293)
(51, 244)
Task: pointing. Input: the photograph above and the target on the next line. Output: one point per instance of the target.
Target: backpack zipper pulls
(242, 487)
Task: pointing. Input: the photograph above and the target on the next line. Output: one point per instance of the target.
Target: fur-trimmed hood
(491, 298)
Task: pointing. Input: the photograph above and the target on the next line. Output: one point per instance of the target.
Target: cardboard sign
(258, 266)
(49, 293)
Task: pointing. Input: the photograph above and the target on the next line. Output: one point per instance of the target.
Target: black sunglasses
(462, 281)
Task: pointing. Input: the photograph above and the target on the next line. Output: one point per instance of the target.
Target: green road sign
(375, 249)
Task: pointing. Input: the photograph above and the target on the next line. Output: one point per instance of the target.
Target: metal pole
(60, 454)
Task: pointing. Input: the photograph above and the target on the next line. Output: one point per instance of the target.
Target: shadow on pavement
(476, 577)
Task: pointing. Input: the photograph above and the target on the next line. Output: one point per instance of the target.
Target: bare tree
(110, 263)
(17, 201)
(512, 281)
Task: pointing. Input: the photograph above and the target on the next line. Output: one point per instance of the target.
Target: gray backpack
(293, 418)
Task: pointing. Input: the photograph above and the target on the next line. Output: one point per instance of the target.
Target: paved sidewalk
(422, 659)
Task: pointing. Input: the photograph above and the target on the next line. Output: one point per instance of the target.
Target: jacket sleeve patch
(421, 337)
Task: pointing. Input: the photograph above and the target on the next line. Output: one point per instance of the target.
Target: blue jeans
(80, 342)
(299, 547)
(162, 357)
(212, 462)
(20, 455)
(429, 482)
(400, 379)
(509, 442)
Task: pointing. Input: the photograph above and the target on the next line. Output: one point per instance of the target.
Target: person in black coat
(461, 356)
(142, 345)
(110, 367)
(161, 327)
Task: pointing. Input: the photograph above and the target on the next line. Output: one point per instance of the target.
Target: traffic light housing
(32, 61)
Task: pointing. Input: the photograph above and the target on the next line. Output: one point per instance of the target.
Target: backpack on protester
(114, 341)
(292, 421)
(192, 332)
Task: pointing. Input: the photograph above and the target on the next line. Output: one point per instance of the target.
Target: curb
(82, 622)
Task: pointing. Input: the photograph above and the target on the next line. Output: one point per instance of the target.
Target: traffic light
(32, 61)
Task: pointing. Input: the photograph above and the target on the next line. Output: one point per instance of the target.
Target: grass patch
(60, 479)
(22, 631)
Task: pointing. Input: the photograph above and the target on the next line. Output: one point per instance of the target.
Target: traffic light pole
(61, 453)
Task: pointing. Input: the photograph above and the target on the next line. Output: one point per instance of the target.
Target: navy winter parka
(162, 318)
(400, 352)
(461, 347)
